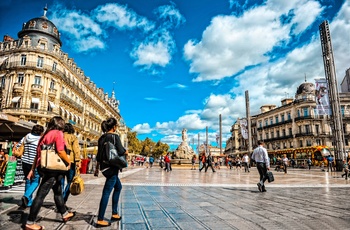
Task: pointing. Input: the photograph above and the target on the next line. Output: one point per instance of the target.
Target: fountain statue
(184, 151)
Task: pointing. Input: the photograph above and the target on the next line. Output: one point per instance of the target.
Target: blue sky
(179, 64)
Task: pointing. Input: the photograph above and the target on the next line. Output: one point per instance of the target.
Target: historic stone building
(295, 124)
(38, 81)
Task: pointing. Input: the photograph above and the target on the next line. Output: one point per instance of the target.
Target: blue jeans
(70, 175)
(111, 182)
(30, 185)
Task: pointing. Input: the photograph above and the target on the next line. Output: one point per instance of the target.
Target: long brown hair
(55, 123)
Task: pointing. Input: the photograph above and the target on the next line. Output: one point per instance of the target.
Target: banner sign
(244, 128)
(322, 99)
(10, 169)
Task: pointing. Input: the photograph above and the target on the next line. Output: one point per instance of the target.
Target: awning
(35, 100)
(15, 99)
(62, 110)
(52, 105)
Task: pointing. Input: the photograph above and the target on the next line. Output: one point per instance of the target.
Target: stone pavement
(188, 199)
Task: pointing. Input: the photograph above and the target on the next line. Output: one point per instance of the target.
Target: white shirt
(260, 156)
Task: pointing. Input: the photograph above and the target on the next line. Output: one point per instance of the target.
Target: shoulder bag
(50, 161)
(111, 156)
(269, 174)
(18, 152)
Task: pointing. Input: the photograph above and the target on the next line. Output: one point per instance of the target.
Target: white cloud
(119, 16)
(171, 15)
(155, 51)
(231, 44)
(142, 128)
(176, 85)
(152, 99)
(85, 33)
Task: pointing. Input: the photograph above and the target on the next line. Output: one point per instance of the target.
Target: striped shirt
(30, 145)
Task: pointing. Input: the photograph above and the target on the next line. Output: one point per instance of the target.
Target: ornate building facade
(293, 125)
(38, 81)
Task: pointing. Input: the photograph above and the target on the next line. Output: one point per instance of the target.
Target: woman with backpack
(112, 182)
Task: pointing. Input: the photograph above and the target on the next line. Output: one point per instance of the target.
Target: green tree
(134, 144)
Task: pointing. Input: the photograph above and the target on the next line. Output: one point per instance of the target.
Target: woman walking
(30, 142)
(111, 173)
(73, 149)
(50, 180)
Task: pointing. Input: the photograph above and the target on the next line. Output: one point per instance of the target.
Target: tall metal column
(220, 140)
(247, 106)
(329, 68)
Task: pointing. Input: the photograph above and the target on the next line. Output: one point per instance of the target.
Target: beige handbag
(77, 185)
(18, 152)
(50, 161)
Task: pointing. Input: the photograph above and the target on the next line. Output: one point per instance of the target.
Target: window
(272, 135)
(54, 66)
(282, 117)
(52, 84)
(299, 127)
(306, 112)
(318, 142)
(37, 80)
(35, 103)
(16, 102)
(308, 142)
(278, 133)
(2, 82)
(20, 78)
(298, 113)
(42, 46)
(271, 121)
(317, 129)
(266, 122)
(289, 116)
(267, 135)
(260, 124)
(290, 131)
(40, 62)
(300, 143)
(23, 59)
(276, 118)
(307, 129)
(284, 132)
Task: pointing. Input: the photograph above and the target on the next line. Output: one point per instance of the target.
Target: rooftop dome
(306, 88)
(42, 27)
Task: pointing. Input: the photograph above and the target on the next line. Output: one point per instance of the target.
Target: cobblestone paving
(188, 199)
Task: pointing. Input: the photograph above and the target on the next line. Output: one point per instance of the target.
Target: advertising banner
(10, 169)
(322, 98)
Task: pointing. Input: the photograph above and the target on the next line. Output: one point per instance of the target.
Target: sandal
(69, 216)
(33, 227)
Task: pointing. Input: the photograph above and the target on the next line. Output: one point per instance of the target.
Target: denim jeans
(70, 175)
(112, 182)
(47, 182)
(30, 185)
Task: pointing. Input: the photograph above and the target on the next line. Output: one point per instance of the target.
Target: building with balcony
(294, 124)
(38, 81)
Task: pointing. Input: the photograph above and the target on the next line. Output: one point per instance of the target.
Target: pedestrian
(167, 162)
(50, 180)
(246, 162)
(73, 150)
(261, 158)
(238, 163)
(112, 182)
(203, 162)
(209, 163)
(330, 163)
(346, 169)
(193, 161)
(151, 161)
(30, 142)
(285, 161)
(309, 162)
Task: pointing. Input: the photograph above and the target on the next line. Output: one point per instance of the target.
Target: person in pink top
(50, 180)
